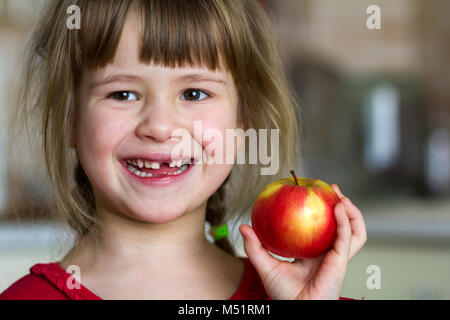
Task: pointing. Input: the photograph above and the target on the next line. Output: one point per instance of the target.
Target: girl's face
(130, 110)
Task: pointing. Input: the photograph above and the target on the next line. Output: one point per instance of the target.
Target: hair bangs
(175, 33)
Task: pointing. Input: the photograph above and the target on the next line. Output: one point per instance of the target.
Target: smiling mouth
(149, 169)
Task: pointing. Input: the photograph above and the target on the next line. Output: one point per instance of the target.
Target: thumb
(257, 254)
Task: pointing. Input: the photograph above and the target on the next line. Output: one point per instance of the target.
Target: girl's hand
(317, 278)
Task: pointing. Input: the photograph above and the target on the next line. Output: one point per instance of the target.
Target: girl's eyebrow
(199, 77)
(194, 77)
(116, 78)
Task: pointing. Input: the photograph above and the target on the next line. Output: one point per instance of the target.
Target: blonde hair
(176, 33)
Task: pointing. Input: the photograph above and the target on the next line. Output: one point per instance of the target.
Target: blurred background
(376, 103)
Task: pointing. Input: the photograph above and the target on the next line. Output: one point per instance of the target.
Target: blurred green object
(219, 232)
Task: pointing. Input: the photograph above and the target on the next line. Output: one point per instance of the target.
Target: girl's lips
(163, 180)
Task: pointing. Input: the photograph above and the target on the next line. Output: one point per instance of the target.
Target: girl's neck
(122, 241)
(168, 262)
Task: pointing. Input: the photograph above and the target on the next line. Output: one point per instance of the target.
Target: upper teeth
(156, 165)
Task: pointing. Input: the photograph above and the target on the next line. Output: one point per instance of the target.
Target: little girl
(110, 97)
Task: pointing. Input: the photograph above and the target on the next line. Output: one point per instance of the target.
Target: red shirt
(48, 281)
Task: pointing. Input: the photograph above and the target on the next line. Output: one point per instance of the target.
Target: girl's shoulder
(32, 287)
(46, 281)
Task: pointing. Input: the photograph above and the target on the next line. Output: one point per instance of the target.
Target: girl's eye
(194, 95)
(123, 96)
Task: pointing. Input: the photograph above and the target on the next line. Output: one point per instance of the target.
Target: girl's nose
(157, 122)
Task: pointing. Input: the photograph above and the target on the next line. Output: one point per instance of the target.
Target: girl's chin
(158, 217)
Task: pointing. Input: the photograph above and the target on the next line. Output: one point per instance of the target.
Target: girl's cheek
(102, 130)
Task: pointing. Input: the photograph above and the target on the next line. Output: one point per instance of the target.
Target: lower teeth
(147, 175)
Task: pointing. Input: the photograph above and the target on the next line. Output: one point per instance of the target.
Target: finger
(343, 240)
(258, 255)
(358, 227)
(355, 216)
(336, 189)
(359, 233)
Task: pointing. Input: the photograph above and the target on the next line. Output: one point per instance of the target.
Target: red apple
(294, 217)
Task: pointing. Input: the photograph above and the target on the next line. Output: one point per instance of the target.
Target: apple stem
(295, 177)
